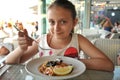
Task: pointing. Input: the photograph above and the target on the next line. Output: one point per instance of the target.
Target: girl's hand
(24, 40)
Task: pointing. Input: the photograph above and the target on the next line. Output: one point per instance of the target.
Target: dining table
(18, 72)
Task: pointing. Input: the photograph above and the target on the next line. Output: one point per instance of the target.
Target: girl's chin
(58, 36)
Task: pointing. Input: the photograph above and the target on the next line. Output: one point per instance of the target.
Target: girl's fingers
(24, 47)
(22, 43)
(24, 38)
(25, 32)
(20, 34)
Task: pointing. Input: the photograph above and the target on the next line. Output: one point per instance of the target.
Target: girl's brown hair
(66, 5)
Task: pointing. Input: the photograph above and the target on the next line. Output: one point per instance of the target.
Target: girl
(61, 40)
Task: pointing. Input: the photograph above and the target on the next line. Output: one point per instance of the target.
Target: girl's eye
(51, 22)
(62, 22)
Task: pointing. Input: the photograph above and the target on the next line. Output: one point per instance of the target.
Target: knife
(2, 61)
(2, 65)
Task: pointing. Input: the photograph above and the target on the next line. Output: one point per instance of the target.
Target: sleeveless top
(71, 50)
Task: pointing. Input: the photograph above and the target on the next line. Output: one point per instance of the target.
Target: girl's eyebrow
(59, 19)
(50, 19)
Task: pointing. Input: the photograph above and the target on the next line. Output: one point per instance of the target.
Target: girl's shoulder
(79, 36)
(82, 38)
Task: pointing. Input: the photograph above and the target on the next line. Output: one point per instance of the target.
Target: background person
(107, 25)
(4, 50)
(115, 27)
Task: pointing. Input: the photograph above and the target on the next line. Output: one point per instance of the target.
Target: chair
(9, 46)
(91, 34)
(110, 47)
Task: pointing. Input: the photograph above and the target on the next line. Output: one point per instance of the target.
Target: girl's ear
(75, 22)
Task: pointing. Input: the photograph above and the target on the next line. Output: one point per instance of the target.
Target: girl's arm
(26, 49)
(20, 56)
(98, 60)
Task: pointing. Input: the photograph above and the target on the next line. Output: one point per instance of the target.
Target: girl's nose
(57, 26)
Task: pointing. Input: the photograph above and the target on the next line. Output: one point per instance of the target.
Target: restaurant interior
(92, 16)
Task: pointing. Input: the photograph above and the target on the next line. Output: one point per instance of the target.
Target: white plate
(32, 67)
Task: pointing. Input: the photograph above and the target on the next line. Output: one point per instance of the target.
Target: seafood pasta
(55, 68)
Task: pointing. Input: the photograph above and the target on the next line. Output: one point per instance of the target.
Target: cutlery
(2, 61)
(2, 65)
(4, 69)
(31, 38)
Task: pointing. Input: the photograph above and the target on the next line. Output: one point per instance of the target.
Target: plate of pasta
(55, 67)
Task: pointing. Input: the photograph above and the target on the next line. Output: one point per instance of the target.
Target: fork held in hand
(30, 38)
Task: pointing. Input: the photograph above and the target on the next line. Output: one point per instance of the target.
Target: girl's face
(60, 21)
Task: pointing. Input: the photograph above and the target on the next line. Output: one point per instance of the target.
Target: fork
(31, 38)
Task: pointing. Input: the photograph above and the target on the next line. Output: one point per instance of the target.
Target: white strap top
(71, 50)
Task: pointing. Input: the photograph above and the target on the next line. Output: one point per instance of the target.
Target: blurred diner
(4, 50)
(107, 25)
(115, 28)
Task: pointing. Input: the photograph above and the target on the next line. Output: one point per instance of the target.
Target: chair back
(110, 47)
(9, 46)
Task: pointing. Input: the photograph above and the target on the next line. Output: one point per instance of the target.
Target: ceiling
(108, 3)
(104, 0)
(114, 2)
